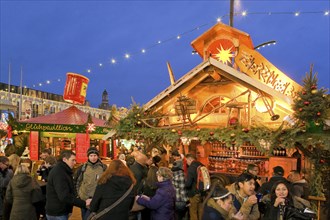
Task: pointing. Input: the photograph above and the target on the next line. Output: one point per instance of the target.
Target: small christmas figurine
(26, 153)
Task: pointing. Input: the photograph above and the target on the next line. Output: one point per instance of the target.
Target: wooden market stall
(69, 129)
(234, 85)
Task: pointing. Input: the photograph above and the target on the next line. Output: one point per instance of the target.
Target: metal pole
(9, 75)
(231, 14)
(21, 94)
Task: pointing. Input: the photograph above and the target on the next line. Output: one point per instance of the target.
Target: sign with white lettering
(256, 66)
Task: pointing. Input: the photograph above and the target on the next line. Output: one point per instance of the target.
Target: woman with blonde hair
(112, 185)
(14, 161)
(22, 192)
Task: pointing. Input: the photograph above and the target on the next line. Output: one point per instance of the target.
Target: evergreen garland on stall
(310, 108)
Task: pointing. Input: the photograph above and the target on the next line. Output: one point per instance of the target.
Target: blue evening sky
(50, 38)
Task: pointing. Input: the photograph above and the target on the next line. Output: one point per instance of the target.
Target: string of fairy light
(157, 43)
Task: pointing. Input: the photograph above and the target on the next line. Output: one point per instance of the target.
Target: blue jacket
(162, 205)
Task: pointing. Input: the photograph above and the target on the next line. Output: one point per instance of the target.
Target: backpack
(203, 179)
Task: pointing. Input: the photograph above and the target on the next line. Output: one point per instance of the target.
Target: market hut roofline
(71, 115)
(227, 72)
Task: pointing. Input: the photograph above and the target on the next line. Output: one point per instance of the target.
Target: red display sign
(75, 88)
(34, 145)
(104, 148)
(82, 145)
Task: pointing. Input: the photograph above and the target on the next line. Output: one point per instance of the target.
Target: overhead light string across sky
(126, 56)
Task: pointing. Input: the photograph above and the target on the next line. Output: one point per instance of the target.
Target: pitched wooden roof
(226, 71)
(69, 116)
(220, 29)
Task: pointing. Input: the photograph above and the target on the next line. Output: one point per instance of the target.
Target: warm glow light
(224, 55)
(244, 13)
(218, 19)
(113, 61)
(260, 105)
(290, 120)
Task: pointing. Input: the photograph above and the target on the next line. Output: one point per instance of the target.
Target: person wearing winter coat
(45, 168)
(22, 192)
(6, 173)
(86, 177)
(60, 193)
(300, 187)
(114, 183)
(150, 185)
(278, 175)
(162, 204)
(277, 204)
(195, 197)
(218, 203)
(178, 182)
(245, 200)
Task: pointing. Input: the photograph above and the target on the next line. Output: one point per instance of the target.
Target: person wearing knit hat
(86, 177)
(218, 203)
(93, 150)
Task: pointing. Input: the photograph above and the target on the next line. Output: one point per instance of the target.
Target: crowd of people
(140, 186)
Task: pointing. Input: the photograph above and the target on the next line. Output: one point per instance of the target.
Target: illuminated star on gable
(224, 55)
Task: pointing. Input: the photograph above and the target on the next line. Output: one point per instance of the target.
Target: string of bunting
(179, 36)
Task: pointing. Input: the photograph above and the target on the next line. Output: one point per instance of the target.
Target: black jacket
(140, 173)
(191, 180)
(60, 195)
(108, 193)
(210, 213)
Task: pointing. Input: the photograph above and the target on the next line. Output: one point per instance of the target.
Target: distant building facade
(38, 103)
